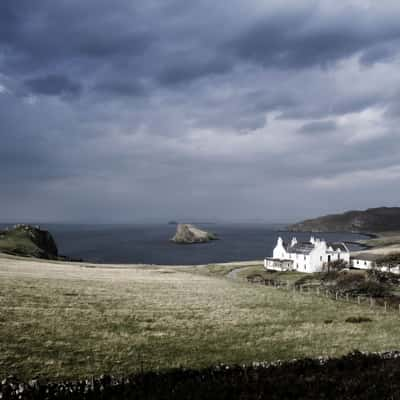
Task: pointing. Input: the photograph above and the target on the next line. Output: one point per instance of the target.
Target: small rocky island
(28, 241)
(189, 234)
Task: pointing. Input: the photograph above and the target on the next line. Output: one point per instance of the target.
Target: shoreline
(88, 264)
(375, 244)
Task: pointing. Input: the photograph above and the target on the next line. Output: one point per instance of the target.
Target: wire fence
(380, 303)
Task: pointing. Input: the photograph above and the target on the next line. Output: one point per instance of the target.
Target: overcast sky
(124, 111)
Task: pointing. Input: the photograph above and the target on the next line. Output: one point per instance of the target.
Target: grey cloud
(380, 53)
(121, 87)
(142, 106)
(318, 127)
(53, 85)
(189, 71)
(291, 40)
(333, 106)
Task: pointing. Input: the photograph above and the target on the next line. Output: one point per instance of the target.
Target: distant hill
(372, 220)
(28, 241)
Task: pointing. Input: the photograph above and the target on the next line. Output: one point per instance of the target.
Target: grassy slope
(383, 244)
(18, 244)
(63, 320)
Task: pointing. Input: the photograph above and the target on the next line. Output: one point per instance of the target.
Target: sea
(151, 244)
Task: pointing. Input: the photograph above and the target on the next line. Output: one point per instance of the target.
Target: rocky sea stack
(28, 241)
(189, 234)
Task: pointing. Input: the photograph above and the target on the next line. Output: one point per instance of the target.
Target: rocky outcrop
(372, 220)
(189, 234)
(30, 241)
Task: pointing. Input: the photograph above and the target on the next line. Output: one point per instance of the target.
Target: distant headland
(372, 220)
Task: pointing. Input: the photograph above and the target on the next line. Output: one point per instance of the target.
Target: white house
(363, 262)
(368, 261)
(309, 257)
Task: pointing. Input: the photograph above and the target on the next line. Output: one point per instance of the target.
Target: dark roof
(336, 246)
(302, 248)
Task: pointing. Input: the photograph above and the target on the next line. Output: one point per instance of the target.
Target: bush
(358, 320)
(329, 276)
(383, 277)
(373, 289)
(391, 260)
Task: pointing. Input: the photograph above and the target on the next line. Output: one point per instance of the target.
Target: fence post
(358, 299)
(287, 285)
(337, 295)
(385, 306)
(317, 291)
(370, 302)
(347, 297)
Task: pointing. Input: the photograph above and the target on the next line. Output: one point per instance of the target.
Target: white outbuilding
(312, 256)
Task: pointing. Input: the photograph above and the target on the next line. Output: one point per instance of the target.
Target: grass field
(65, 320)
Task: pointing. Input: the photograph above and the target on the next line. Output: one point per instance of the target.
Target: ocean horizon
(151, 244)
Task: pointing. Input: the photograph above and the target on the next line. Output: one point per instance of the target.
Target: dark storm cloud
(121, 87)
(188, 71)
(301, 40)
(53, 85)
(164, 106)
(44, 34)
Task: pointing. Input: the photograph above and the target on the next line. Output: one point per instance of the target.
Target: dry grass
(64, 320)
(385, 243)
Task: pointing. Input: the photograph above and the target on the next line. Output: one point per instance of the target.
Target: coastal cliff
(371, 220)
(189, 234)
(28, 241)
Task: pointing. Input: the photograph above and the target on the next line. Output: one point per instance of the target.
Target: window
(365, 263)
(305, 257)
(305, 267)
(358, 262)
(320, 259)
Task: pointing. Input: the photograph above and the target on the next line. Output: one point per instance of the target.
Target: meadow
(66, 320)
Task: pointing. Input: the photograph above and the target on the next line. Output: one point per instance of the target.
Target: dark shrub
(383, 277)
(358, 320)
(337, 265)
(350, 280)
(329, 276)
(373, 289)
(391, 260)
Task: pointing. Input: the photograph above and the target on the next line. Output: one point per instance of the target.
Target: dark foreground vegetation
(355, 376)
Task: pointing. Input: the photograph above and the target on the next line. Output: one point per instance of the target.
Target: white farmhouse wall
(279, 250)
(362, 264)
(312, 261)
